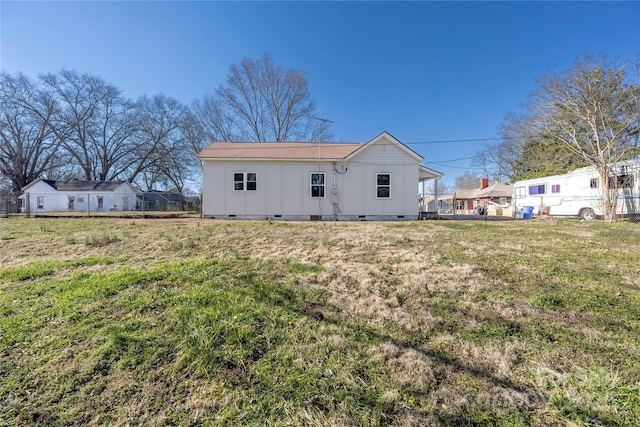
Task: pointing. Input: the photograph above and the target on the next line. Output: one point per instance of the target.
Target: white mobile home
(376, 180)
(45, 195)
(579, 193)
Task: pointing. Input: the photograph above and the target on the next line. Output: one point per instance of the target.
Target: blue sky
(423, 71)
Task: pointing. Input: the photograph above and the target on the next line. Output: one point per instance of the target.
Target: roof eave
(269, 159)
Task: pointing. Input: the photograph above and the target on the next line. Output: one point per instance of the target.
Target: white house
(377, 180)
(44, 195)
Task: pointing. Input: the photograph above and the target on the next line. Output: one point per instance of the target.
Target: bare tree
(95, 123)
(441, 188)
(165, 154)
(467, 180)
(593, 110)
(262, 101)
(28, 145)
(211, 121)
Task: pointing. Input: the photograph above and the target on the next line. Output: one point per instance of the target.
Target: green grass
(192, 322)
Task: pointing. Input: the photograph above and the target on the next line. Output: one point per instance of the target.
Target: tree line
(72, 125)
(587, 115)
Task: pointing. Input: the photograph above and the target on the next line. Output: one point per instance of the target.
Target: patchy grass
(204, 322)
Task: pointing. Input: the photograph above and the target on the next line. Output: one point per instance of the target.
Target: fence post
(27, 200)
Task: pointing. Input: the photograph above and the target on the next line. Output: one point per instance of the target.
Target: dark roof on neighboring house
(78, 185)
(167, 196)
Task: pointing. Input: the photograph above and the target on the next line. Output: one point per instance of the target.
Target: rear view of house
(44, 195)
(376, 180)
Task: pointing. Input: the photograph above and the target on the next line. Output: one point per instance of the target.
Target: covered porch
(426, 174)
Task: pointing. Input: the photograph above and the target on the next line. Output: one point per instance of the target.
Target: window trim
(323, 185)
(380, 186)
(245, 181)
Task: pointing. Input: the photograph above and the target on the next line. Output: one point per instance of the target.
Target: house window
(80, 199)
(40, 202)
(476, 203)
(383, 185)
(71, 202)
(317, 185)
(593, 183)
(459, 205)
(520, 192)
(555, 188)
(503, 201)
(100, 202)
(245, 181)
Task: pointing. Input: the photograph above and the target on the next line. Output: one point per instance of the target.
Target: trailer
(580, 193)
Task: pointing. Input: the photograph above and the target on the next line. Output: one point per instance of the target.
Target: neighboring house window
(537, 189)
(383, 185)
(520, 192)
(459, 205)
(476, 203)
(80, 199)
(40, 202)
(555, 188)
(503, 201)
(317, 184)
(245, 181)
(100, 202)
(593, 183)
(71, 202)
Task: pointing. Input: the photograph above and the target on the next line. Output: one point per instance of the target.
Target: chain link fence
(9, 203)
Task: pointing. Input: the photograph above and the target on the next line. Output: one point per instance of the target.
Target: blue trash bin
(527, 211)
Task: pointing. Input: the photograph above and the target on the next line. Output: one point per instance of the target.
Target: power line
(445, 141)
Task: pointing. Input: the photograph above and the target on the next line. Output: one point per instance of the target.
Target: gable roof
(277, 151)
(497, 189)
(305, 151)
(386, 135)
(79, 185)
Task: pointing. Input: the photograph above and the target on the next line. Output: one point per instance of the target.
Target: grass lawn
(193, 322)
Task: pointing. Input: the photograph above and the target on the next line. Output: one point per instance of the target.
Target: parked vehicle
(579, 193)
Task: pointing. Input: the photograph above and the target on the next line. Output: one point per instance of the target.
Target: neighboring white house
(44, 195)
(377, 180)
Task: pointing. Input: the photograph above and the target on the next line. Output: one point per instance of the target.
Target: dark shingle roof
(78, 185)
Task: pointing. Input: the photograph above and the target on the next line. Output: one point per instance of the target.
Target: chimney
(484, 183)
